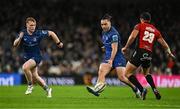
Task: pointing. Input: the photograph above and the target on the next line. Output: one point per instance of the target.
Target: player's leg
(151, 82)
(130, 68)
(100, 85)
(27, 66)
(41, 82)
(121, 75)
(104, 69)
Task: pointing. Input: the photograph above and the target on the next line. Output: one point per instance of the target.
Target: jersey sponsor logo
(105, 40)
(120, 64)
(25, 39)
(145, 57)
(34, 39)
(115, 38)
(44, 32)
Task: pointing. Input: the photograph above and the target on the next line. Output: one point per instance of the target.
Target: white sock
(99, 87)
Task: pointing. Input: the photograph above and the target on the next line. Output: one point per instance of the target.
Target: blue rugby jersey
(110, 37)
(31, 43)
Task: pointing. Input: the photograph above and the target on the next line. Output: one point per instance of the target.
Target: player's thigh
(146, 66)
(130, 68)
(104, 68)
(28, 65)
(35, 71)
(146, 71)
(136, 58)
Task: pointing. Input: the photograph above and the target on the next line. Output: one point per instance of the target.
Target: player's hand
(171, 56)
(110, 62)
(103, 49)
(60, 45)
(124, 50)
(21, 35)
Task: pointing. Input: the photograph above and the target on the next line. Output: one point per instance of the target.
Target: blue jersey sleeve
(23, 30)
(114, 38)
(44, 33)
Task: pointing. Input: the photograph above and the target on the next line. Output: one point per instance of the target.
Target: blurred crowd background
(77, 23)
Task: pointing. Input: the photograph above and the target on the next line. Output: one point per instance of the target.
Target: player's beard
(106, 29)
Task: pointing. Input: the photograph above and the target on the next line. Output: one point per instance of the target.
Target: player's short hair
(30, 19)
(145, 16)
(106, 17)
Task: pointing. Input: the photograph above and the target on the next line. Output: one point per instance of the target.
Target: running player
(113, 57)
(30, 39)
(146, 35)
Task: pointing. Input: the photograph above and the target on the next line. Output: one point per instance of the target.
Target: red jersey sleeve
(158, 34)
(137, 27)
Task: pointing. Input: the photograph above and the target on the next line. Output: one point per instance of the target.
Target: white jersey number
(148, 36)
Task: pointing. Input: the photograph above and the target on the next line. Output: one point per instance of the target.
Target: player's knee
(35, 76)
(121, 77)
(100, 72)
(145, 74)
(128, 75)
(25, 68)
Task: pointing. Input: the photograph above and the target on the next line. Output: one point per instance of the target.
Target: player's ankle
(46, 88)
(29, 83)
(99, 87)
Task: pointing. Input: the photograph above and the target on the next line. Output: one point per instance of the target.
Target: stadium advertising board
(59, 80)
(162, 80)
(10, 79)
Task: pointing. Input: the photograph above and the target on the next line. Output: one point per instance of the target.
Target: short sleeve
(137, 27)
(21, 31)
(158, 35)
(44, 33)
(114, 38)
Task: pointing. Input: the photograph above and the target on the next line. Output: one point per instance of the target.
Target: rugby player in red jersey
(146, 35)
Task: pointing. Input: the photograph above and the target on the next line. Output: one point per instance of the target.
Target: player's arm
(114, 46)
(18, 40)
(165, 46)
(55, 38)
(131, 39)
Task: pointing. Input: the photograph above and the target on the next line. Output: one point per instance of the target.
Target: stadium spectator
(78, 24)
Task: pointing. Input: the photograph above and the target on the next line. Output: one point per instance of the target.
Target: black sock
(134, 89)
(46, 87)
(150, 81)
(29, 83)
(134, 80)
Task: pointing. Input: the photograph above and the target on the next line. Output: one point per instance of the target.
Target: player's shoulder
(23, 31)
(154, 27)
(137, 26)
(114, 31)
(41, 31)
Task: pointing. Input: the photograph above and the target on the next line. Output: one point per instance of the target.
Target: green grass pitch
(77, 97)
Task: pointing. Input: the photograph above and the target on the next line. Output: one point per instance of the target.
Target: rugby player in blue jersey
(30, 39)
(113, 58)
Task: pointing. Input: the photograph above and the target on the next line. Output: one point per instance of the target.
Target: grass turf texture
(77, 97)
